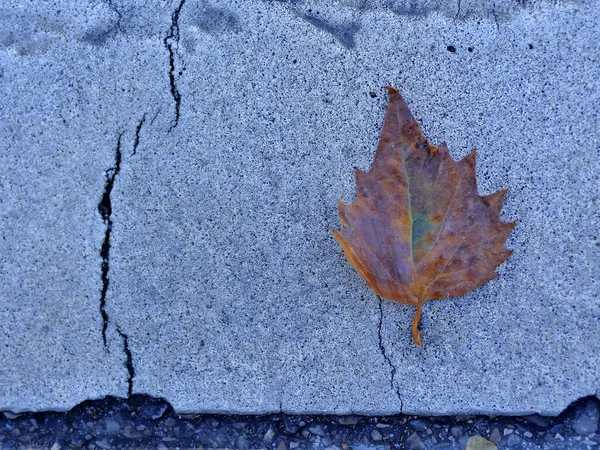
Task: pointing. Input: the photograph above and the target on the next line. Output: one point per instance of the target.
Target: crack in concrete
(171, 43)
(138, 129)
(495, 16)
(112, 6)
(105, 210)
(389, 362)
(128, 361)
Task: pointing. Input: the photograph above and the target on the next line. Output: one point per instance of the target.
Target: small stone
(281, 446)
(514, 441)
(55, 446)
(559, 437)
(456, 432)
(507, 431)
(294, 445)
(417, 425)
(587, 420)
(154, 410)
(349, 420)
(540, 421)
(376, 435)
(103, 443)
(290, 425)
(528, 434)
(383, 425)
(10, 415)
(162, 446)
(170, 422)
(556, 428)
(112, 427)
(414, 442)
(462, 442)
(317, 430)
(268, 437)
(16, 432)
(241, 442)
(76, 442)
(369, 447)
(480, 443)
(140, 427)
(495, 436)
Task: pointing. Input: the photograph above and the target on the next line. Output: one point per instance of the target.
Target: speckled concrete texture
(178, 165)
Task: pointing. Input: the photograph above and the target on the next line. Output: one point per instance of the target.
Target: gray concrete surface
(223, 134)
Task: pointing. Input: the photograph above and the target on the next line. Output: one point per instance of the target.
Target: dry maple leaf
(418, 230)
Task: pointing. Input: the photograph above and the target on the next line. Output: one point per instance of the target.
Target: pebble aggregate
(145, 422)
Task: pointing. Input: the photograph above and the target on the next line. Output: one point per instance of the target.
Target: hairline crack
(128, 361)
(393, 384)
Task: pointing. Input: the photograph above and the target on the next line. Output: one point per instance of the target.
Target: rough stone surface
(223, 134)
(587, 422)
(480, 443)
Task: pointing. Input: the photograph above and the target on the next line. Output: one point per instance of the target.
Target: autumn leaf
(418, 230)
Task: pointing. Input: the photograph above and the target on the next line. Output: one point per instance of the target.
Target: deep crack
(105, 210)
(128, 361)
(138, 129)
(393, 385)
(171, 42)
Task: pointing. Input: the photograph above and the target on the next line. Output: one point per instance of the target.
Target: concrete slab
(223, 134)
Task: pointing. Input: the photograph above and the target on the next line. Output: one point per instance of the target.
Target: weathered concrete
(223, 135)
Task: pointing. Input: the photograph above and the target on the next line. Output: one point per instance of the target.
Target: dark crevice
(171, 42)
(112, 6)
(458, 10)
(105, 210)
(495, 16)
(138, 129)
(389, 362)
(128, 362)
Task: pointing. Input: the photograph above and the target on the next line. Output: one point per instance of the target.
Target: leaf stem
(416, 333)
